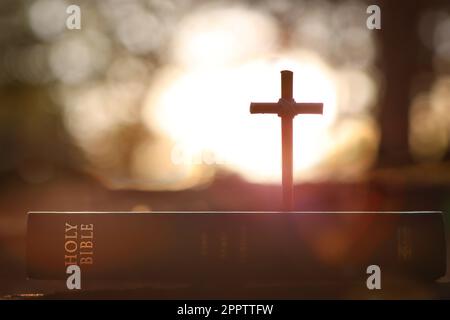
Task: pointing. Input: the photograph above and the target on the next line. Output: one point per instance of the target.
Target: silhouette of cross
(287, 109)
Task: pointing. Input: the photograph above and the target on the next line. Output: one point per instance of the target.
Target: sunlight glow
(209, 110)
(172, 112)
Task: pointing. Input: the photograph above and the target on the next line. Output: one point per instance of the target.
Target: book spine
(242, 247)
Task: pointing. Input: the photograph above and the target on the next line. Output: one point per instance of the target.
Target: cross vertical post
(287, 142)
(287, 109)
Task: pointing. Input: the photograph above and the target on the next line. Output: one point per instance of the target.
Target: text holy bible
(243, 247)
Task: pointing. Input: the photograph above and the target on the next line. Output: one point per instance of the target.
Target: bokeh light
(429, 114)
(197, 111)
(155, 94)
(47, 18)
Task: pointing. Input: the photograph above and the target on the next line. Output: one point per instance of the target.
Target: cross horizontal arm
(290, 108)
(308, 108)
(264, 107)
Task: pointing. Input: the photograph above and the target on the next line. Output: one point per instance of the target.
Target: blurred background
(146, 107)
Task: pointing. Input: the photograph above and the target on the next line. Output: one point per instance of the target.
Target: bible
(235, 247)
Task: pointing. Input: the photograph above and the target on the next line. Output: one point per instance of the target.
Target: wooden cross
(287, 109)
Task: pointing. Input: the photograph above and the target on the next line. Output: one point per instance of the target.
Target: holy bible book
(241, 247)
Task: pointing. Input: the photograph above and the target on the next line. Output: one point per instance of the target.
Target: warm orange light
(208, 110)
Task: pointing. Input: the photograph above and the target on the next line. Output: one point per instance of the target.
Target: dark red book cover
(244, 247)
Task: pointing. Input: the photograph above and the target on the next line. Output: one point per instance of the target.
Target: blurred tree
(402, 59)
(397, 39)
